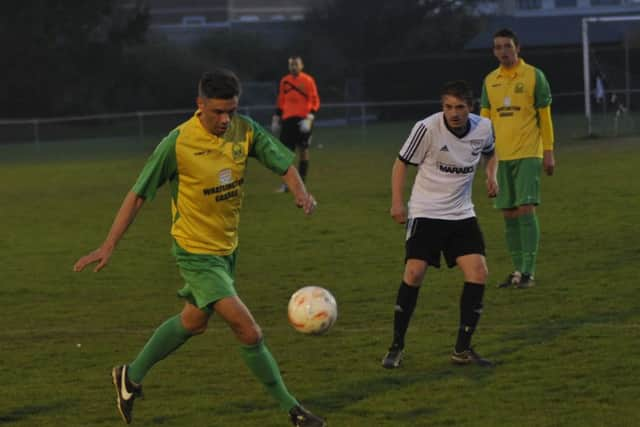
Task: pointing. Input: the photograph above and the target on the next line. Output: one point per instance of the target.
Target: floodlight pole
(627, 70)
(586, 72)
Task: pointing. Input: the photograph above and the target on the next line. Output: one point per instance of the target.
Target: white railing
(359, 113)
(142, 124)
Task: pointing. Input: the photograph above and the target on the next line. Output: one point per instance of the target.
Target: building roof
(551, 31)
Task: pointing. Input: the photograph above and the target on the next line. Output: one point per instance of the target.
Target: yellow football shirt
(206, 176)
(517, 101)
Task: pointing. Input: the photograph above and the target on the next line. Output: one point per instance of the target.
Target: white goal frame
(585, 58)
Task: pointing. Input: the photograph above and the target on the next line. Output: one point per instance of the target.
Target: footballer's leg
(506, 200)
(288, 136)
(303, 155)
(303, 164)
(406, 300)
(530, 236)
(166, 339)
(259, 359)
(475, 272)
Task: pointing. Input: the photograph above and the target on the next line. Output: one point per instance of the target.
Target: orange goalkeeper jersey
(297, 96)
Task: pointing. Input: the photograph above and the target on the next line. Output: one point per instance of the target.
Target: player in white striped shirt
(446, 147)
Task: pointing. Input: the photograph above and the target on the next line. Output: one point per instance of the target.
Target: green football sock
(165, 340)
(514, 243)
(260, 361)
(530, 235)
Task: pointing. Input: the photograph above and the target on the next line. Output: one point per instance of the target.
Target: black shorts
(427, 238)
(291, 136)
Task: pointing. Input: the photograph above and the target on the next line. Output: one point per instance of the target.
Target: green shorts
(518, 182)
(208, 278)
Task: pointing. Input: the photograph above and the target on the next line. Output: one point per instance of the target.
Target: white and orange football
(312, 310)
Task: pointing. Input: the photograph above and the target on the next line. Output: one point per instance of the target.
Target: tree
(368, 30)
(363, 34)
(64, 54)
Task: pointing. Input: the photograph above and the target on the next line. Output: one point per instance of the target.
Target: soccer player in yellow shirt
(517, 98)
(204, 162)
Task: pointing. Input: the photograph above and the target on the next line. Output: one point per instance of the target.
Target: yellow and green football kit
(206, 176)
(518, 102)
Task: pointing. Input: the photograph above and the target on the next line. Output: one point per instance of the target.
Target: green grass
(565, 349)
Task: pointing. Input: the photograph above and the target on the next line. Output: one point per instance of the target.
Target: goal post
(586, 65)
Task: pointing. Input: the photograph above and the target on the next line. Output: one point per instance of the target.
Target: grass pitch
(565, 349)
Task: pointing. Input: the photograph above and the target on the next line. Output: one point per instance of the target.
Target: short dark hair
(508, 33)
(219, 83)
(460, 89)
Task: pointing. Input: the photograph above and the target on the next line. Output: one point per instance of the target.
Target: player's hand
(307, 203)
(100, 255)
(305, 124)
(399, 213)
(548, 162)
(492, 187)
(275, 124)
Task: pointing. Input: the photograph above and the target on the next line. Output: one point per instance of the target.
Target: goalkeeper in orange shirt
(296, 106)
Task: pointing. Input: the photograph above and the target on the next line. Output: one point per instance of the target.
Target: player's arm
(485, 106)
(160, 167)
(276, 119)
(313, 104)
(280, 98)
(296, 186)
(491, 170)
(546, 131)
(398, 178)
(125, 216)
(314, 98)
(491, 165)
(543, 106)
(413, 152)
(279, 159)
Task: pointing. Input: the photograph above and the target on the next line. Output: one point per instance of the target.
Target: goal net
(612, 75)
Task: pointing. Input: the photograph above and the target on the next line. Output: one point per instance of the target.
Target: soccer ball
(312, 310)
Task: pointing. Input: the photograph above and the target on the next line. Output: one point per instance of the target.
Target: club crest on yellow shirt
(236, 151)
(519, 88)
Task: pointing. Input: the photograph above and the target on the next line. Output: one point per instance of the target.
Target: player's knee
(198, 330)
(249, 334)
(525, 210)
(478, 274)
(195, 327)
(414, 276)
(195, 322)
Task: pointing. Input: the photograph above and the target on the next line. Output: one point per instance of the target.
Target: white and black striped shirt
(446, 166)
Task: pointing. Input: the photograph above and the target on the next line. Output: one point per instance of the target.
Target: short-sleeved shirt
(446, 166)
(513, 97)
(297, 96)
(206, 174)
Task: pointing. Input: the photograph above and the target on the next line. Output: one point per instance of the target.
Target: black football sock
(303, 167)
(405, 304)
(470, 310)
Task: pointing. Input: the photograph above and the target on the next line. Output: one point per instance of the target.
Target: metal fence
(609, 119)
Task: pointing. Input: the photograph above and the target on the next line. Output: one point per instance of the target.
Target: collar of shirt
(511, 72)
